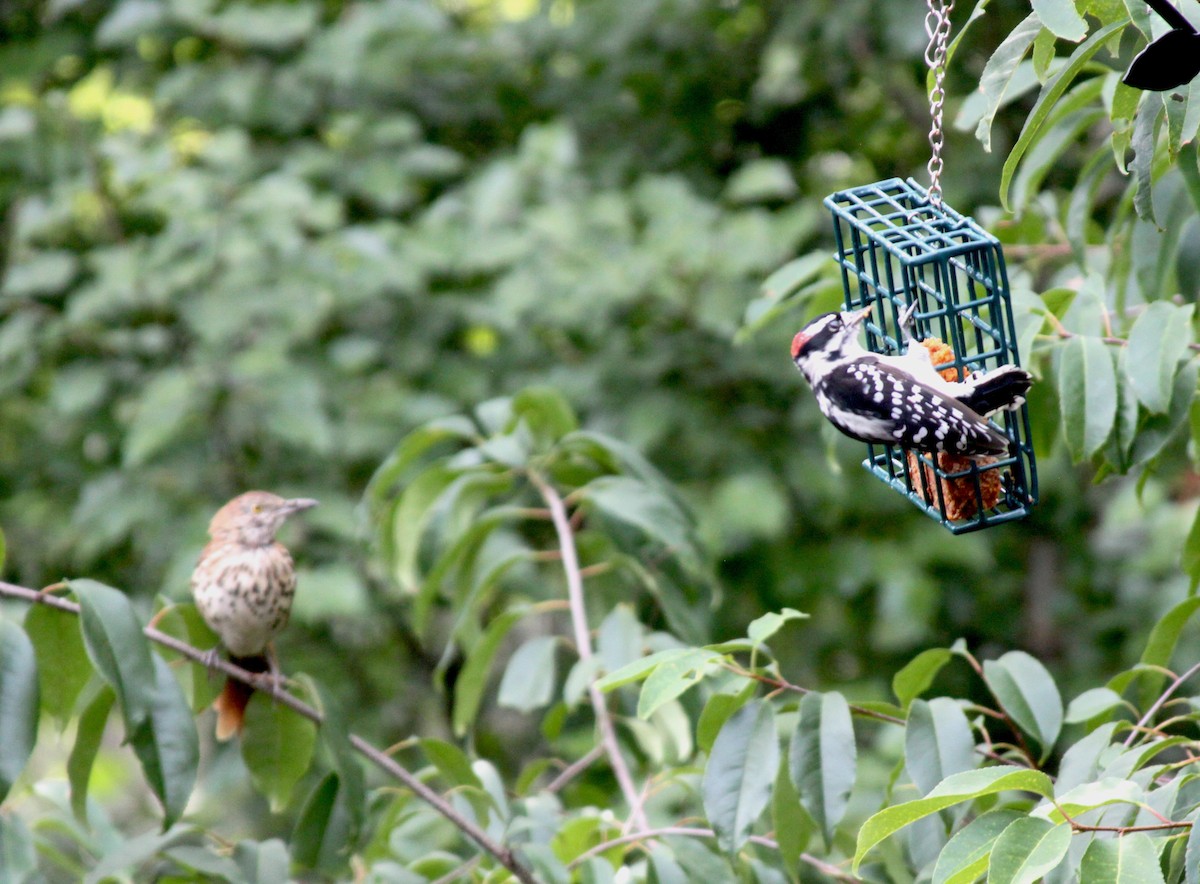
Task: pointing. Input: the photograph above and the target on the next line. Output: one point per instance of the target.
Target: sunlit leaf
(1130, 859)
(1028, 694)
(953, 790)
(63, 665)
(1026, 850)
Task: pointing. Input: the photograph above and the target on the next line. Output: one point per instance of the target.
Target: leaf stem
(1158, 704)
(501, 853)
(583, 645)
(784, 685)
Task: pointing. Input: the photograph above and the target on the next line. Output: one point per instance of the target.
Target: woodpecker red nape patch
(798, 343)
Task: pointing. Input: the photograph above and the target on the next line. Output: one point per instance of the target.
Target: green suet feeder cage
(896, 245)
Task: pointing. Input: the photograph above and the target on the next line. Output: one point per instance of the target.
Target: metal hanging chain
(937, 26)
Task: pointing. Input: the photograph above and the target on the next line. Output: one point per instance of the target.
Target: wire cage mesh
(896, 247)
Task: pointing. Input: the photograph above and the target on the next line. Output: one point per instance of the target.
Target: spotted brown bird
(243, 587)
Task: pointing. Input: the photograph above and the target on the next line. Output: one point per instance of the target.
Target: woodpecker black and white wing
(874, 402)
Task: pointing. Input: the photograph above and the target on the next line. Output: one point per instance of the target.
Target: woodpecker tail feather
(1001, 390)
(231, 704)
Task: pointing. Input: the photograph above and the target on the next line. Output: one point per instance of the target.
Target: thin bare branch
(583, 645)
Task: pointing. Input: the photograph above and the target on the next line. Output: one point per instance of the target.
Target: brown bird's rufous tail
(231, 703)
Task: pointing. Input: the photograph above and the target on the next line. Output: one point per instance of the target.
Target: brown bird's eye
(258, 508)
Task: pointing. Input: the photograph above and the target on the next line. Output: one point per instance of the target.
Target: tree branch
(502, 854)
(583, 645)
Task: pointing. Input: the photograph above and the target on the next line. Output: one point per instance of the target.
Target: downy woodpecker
(901, 400)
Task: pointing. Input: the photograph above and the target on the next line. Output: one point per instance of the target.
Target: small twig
(1120, 830)
(1065, 334)
(461, 872)
(1158, 704)
(574, 769)
(782, 685)
(502, 854)
(583, 645)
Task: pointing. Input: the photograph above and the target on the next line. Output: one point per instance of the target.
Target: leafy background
(255, 244)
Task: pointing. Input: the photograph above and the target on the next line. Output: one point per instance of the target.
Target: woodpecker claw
(906, 318)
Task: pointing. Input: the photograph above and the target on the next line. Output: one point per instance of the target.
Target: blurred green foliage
(253, 244)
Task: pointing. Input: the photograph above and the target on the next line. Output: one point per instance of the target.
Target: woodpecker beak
(296, 504)
(857, 318)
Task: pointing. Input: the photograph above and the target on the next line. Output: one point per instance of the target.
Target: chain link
(937, 27)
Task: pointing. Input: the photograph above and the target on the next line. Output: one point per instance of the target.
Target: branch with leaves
(111, 613)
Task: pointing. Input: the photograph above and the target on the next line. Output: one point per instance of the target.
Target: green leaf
(1087, 389)
(18, 703)
(1099, 793)
(1160, 647)
(1157, 342)
(823, 758)
(646, 509)
(1028, 694)
(452, 762)
(472, 681)
(792, 275)
(793, 826)
(918, 674)
(770, 623)
(546, 414)
(1130, 859)
(998, 73)
(263, 863)
(277, 747)
(761, 180)
(740, 771)
(88, 736)
(1191, 860)
(1158, 429)
(118, 649)
(1027, 850)
(184, 622)
(620, 640)
(937, 742)
(319, 832)
(1091, 703)
(1061, 18)
(641, 668)
(165, 407)
(17, 848)
(1047, 100)
(717, 711)
(955, 789)
(528, 681)
(1190, 559)
(167, 744)
(672, 678)
(965, 857)
(334, 735)
(63, 666)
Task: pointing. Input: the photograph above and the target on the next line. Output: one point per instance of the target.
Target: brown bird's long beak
(299, 503)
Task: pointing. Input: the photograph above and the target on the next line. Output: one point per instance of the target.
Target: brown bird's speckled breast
(244, 593)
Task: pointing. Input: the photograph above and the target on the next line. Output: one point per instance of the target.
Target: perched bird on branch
(243, 587)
